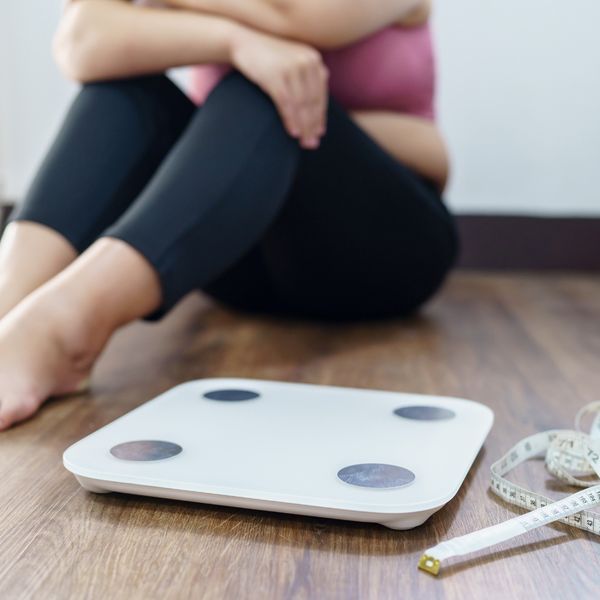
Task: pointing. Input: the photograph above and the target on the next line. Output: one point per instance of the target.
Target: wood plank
(526, 345)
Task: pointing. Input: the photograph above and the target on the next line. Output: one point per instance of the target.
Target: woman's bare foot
(50, 341)
(44, 351)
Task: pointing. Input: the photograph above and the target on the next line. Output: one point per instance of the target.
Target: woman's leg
(211, 198)
(50, 341)
(113, 138)
(240, 211)
(360, 236)
(217, 192)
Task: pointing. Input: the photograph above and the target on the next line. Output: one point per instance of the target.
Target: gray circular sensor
(145, 450)
(425, 413)
(376, 475)
(231, 395)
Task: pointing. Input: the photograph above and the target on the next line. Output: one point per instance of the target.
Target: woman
(271, 196)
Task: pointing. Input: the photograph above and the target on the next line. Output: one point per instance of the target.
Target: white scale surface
(282, 450)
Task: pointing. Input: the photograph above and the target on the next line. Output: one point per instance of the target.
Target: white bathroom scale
(343, 453)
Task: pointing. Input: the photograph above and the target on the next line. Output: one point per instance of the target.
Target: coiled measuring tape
(570, 455)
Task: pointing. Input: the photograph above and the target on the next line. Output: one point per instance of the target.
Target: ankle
(79, 331)
(110, 284)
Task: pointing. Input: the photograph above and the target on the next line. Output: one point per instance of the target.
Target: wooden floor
(526, 345)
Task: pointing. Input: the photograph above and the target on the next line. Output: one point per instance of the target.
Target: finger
(320, 94)
(313, 104)
(317, 82)
(324, 83)
(298, 90)
(14, 409)
(285, 107)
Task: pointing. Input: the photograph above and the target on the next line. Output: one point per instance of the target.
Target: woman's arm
(103, 39)
(107, 39)
(320, 23)
(418, 16)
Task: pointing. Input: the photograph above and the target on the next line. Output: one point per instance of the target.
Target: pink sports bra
(392, 69)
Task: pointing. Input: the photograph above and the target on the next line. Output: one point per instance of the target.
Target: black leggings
(220, 198)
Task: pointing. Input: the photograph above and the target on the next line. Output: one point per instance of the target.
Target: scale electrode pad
(345, 453)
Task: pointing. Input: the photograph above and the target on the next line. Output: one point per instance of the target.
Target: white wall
(32, 94)
(3, 113)
(520, 104)
(519, 101)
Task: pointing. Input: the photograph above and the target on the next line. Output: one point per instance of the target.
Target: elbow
(310, 26)
(318, 38)
(75, 45)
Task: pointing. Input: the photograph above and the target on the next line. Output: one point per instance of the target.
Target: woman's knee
(152, 102)
(115, 96)
(241, 98)
(155, 89)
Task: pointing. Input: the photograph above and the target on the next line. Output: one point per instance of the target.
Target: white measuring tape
(570, 455)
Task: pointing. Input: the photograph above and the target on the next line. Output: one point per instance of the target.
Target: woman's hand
(292, 74)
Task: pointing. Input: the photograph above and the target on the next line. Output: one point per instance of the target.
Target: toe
(16, 408)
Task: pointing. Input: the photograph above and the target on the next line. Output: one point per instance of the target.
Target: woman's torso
(387, 83)
(393, 69)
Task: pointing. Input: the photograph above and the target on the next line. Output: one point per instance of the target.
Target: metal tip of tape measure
(572, 456)
(429, 564)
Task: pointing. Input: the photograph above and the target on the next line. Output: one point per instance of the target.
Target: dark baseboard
(5, 209)
(511, 242)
